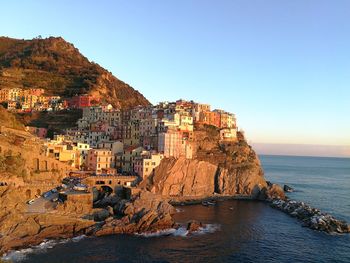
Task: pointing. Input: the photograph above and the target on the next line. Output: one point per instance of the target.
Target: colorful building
(145, 164)
(99, 159)
(80, 101)
(228, 134)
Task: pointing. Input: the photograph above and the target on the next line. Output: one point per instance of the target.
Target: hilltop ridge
(58, 67)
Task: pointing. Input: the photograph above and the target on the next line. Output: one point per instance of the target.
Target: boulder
(100, 214)
(275, 192)
(311, 217)
(287, 188)
(194, 226)
(147, 212)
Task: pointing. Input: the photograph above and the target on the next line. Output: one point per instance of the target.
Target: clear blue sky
(282, 66)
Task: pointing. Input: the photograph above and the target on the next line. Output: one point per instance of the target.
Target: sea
(236, 231)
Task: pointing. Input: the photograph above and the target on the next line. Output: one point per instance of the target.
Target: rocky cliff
(26, 172)
(218, 169)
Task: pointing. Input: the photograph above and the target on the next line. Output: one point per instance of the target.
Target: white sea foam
(166, 232)
(21, 254)
(208, 228)
(182, 231)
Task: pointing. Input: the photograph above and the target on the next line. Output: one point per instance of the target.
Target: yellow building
(145, 164)
(64, 153)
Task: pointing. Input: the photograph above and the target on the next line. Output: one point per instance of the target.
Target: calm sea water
(238, 231)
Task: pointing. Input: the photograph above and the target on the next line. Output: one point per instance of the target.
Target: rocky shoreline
(147, 213)
(311, 217)
(234, 174)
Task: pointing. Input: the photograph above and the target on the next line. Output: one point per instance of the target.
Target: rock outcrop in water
(144, 213)
(311, 217)
(218, 169)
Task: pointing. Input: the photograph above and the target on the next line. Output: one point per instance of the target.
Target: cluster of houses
(28, 100)
(113, 141)
(134, 141)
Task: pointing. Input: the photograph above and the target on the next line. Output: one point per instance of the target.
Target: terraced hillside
(58, 67)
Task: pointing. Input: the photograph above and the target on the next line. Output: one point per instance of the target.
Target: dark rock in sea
(311, 217)
(194, 226)
(272, 192)
(288, 189)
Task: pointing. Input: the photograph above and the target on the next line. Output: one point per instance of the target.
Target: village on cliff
(111, 147)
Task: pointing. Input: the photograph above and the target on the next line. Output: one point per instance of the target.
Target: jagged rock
(311, 217)
(227, 169)
(101, 214)
(194, 226)
(274, 192)
(145, 213)
(287, 188)
(19, 231)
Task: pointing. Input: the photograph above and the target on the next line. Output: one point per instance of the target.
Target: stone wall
(37, 164)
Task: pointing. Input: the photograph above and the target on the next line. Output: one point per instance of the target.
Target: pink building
(100, 159)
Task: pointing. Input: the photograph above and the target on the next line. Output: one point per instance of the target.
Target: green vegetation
(54, 121)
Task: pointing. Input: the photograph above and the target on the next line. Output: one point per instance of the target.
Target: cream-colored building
(145, 164)
(228, 134)
(114, 146)
(83, 149)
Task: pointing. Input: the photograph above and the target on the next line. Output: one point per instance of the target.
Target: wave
(165, 232)
(182, 231)
(21, 254)
(208, 229)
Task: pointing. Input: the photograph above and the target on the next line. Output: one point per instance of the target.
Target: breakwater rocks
(311, 217)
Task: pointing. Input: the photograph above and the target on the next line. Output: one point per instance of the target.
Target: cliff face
(25, 172)
(227, 169)
(58, 67)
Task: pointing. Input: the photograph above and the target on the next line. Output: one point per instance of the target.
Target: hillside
(58, 67)
(9, 120)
